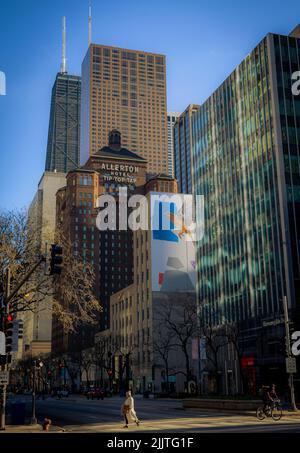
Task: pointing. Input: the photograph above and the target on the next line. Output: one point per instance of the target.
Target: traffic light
(5, 359)
(56, 259)
(9, 332)
(20, 330)
(1, 317)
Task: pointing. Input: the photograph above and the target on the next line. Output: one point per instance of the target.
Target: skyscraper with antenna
(124, 89)
(63, 68)
(90, 23)
(64, 124)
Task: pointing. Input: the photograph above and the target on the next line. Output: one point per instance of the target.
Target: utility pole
(33, 416)
(199, 366)
(90, 24)
(288, 351)
(63, 67)
(5, 367)
(37, 364)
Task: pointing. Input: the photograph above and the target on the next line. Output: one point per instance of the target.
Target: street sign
(4, 376)
(2, 344)
(291, 366)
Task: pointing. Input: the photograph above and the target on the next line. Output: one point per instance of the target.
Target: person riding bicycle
(270, 397)
(271, 407)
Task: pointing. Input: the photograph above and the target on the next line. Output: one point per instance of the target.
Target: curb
(38, 428)
(234, 412)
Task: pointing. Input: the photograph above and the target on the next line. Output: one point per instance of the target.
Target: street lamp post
(6, 366)
(33, 415)
(288, 351)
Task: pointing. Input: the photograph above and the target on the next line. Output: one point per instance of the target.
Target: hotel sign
(120, 173)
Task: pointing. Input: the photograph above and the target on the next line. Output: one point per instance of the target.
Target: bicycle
(274, 410)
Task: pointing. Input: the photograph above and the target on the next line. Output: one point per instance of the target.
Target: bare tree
(180, 321)
(74, 299)
(72, 368)
(102, 358)
(163, 346)
(125, 352)
(85, 362)
(234, 336)
(69, 296)
(216, 340)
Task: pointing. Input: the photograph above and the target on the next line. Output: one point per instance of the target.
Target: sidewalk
(228, 405)
(290, 413)
(30, 429)
(249, 413)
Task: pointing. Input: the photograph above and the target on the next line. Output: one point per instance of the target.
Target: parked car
(108, 392)
(59, 393)
(94, 393)
(64, 393)
(27, 392)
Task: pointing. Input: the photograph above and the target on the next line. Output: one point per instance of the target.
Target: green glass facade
(287, 58)
(183, 164)
(247, 165)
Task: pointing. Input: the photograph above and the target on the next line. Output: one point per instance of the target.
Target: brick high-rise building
(110, 252)
(164, 277)
(126, 90)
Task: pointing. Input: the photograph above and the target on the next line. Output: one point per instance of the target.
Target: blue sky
(203, 40)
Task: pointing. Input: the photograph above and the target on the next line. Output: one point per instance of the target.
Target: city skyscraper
(110, 252)
(63, 145)
(138, 311)
(62, 155)
(247, 165)
(41, 219)
(125, 90)
(183, 149)
(172, 117)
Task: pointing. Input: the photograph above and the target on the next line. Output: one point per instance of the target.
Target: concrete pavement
(78, 415)
(10, 429)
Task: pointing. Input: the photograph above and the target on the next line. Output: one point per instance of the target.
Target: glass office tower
(247, 164)
(183, 149)
(172, 117)
(64, 124)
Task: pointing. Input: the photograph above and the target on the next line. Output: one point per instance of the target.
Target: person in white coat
(128, 411)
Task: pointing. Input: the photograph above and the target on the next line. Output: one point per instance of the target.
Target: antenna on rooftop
(90, 23)
(63, 68)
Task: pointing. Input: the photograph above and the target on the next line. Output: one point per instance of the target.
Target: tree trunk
(187, 367)
(167, 376)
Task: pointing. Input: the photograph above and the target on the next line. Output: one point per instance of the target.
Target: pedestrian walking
(46, 424)
(128, 411)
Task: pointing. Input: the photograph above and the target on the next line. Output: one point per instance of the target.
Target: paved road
(76, 414)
